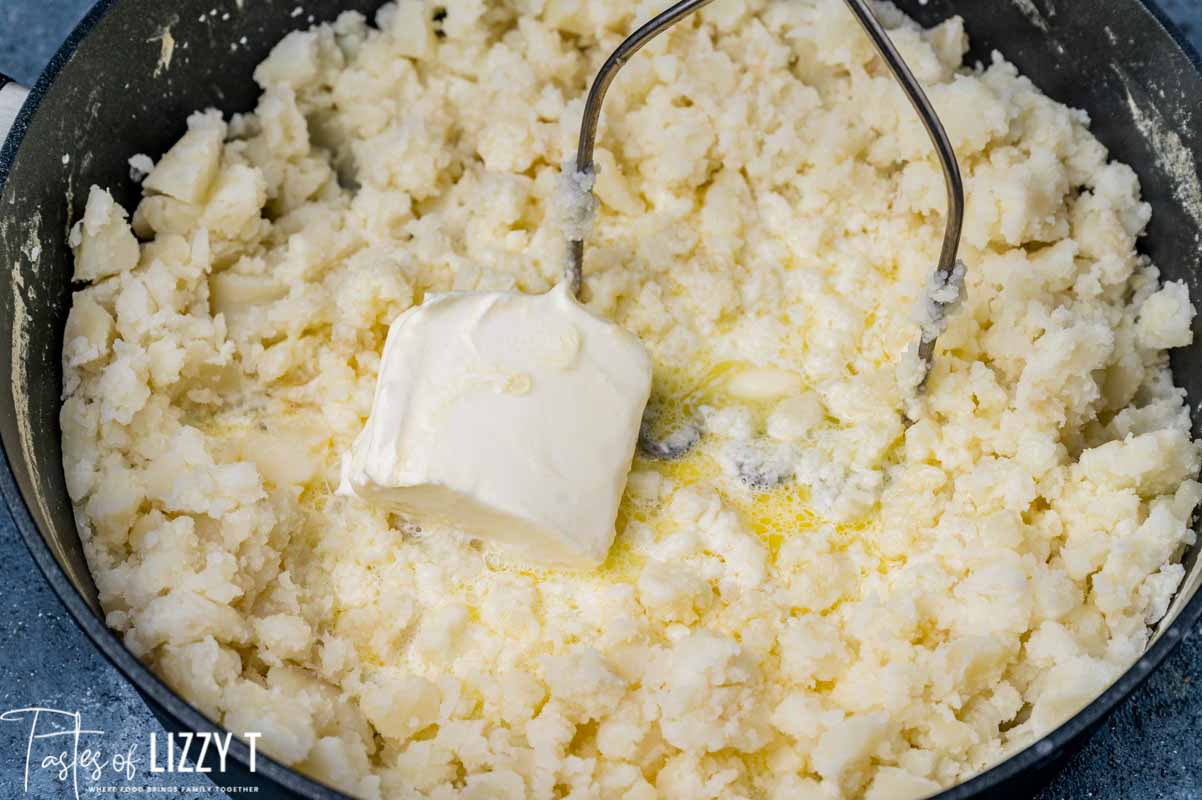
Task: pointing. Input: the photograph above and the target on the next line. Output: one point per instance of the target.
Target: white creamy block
(511, 417)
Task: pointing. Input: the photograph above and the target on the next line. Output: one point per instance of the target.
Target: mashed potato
(885, 611)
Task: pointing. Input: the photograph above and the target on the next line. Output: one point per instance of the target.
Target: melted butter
(773, 515)
(678, 393)
(779, 514)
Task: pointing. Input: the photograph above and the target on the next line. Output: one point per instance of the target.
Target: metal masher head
(945, 273)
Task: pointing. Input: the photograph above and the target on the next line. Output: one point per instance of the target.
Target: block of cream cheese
(511, 417)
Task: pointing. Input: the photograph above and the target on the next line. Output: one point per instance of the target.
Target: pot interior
(116, 90)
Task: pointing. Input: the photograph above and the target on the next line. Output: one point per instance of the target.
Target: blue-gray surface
(1151, 749)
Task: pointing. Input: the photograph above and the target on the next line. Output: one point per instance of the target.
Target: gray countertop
(1151, 749)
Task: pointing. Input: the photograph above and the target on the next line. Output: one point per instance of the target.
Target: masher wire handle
(888, 52)
(592, 110)
(943, 149)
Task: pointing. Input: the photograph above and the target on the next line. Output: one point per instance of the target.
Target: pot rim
(1039, 754)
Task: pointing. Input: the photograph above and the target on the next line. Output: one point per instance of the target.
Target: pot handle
(12, 96)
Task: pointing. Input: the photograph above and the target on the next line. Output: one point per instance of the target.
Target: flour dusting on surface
(1032, 13)
(19, 353)
(1171, 155)
(166, 51)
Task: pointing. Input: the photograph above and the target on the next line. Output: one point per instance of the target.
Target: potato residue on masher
(906, 607)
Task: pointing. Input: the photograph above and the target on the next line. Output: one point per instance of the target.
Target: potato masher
(947, 273)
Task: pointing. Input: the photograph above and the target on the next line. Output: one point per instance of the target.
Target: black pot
(102, 99)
